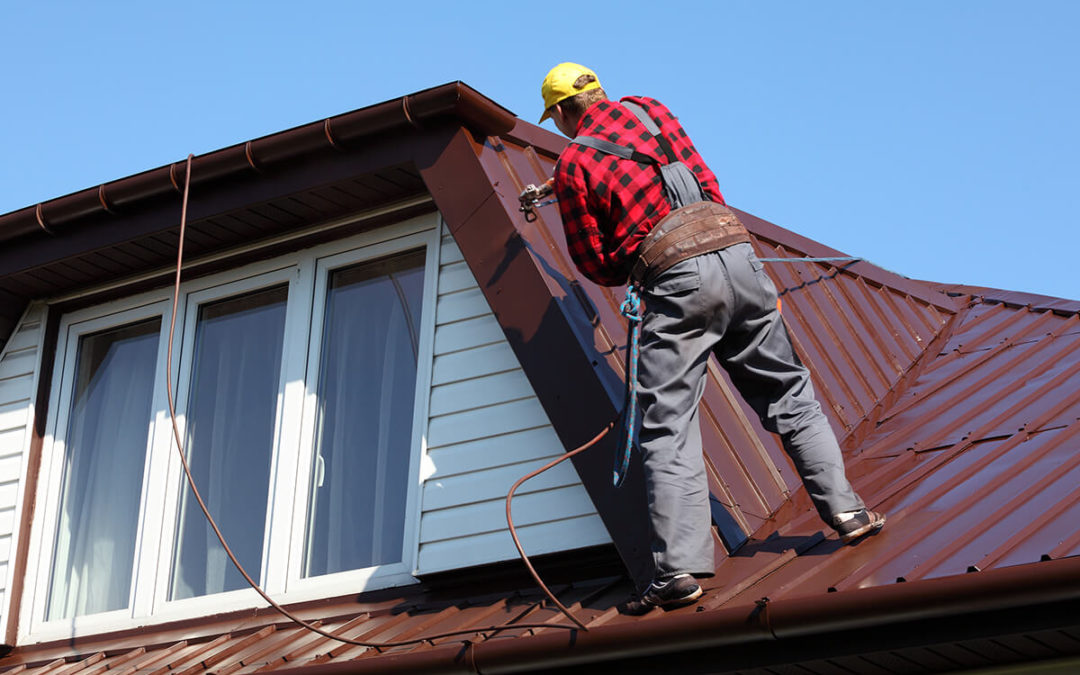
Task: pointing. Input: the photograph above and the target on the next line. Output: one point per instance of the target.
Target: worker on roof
(639, 205)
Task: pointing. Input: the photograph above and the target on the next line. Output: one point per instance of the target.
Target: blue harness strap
(631, 309)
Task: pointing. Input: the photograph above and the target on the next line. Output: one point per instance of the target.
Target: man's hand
(533, 194)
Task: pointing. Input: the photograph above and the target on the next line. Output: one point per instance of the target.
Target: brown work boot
(863, 524)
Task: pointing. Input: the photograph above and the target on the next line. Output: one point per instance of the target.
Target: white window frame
(397, 573)
(43, 534)
(306, 272)
(194, 299)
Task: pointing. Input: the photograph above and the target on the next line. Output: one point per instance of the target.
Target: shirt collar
(595, 111)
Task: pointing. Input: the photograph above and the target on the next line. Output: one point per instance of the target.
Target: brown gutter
(453, 101)
(969, 596)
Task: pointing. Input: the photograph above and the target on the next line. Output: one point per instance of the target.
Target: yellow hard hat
(559, 84)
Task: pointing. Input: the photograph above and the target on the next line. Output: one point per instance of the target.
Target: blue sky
(939, 139)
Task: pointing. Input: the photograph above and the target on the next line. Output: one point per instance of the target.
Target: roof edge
(1034, 301)
(454, 101)
(968, 595)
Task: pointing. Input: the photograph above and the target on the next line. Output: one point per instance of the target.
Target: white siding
(486, 429)
(19, 365)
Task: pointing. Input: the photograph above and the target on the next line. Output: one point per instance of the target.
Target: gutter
(454, 101)
(768, 622)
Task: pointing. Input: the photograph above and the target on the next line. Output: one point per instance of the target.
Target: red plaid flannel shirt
(602, 197)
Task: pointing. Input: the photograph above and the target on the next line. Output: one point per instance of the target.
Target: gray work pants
(721, 303)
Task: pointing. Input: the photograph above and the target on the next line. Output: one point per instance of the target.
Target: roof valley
(886, 404)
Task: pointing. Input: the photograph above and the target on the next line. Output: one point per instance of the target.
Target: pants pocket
(679, 278)
(751, 257)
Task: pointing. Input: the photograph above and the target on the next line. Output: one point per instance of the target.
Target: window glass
(104, 457)
(230, 428)
(366, 391)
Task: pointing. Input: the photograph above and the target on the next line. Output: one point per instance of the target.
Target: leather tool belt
(686, 232)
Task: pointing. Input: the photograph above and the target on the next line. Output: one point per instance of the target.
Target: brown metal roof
(957, 408)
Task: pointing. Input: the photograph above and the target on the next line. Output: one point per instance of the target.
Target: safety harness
(695, 225)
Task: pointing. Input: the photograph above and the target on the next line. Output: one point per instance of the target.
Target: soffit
(239, 227)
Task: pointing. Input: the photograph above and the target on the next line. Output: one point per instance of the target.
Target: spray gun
(532, 194)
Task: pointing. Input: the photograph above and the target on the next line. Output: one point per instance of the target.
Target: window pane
(367, 384)
(230, 430)
(104, 458)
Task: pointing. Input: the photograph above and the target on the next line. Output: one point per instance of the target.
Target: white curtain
(366, 395)
(230, 432)
(105, 452)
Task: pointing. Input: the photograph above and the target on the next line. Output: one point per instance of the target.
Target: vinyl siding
(18, 381)
(486, 429)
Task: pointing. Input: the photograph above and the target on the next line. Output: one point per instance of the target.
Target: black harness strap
(624, 151)
(681, 186)
(653, 129)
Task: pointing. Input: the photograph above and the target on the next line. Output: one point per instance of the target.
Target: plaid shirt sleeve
(608, 204)
(584, 237)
